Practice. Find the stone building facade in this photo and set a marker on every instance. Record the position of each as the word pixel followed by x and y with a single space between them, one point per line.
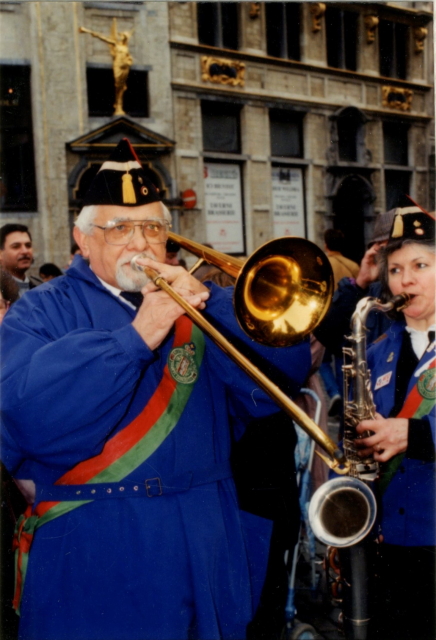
pixel 269 118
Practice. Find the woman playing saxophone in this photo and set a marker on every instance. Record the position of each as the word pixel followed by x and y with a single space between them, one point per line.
pixel 403 380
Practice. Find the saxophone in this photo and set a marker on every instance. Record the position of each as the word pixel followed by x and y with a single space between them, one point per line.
pixel 343 510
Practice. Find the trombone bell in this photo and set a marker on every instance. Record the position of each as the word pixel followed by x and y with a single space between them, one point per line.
pixel 283 291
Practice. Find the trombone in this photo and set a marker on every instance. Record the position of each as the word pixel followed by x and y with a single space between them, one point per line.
pixel 282 292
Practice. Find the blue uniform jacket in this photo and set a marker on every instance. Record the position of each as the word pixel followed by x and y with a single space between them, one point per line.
pixel 408 504
pixel 186 565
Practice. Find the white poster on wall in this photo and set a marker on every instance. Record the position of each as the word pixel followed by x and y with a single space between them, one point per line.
pixel 223 207
pixel 288 202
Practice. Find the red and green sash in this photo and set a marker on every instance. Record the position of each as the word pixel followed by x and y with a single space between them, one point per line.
pixel 129 448
pixel 418 403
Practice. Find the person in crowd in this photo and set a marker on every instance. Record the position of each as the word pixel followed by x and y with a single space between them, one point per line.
pixel 334 243
pixel 48 271
pixel 119 410
pixel 331 372
pixel 16 255
pixel 402 440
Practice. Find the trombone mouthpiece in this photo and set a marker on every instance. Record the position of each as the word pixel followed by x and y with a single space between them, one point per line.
pixel 135 266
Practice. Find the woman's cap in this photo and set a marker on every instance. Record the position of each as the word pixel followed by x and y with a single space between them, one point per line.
pixel 412 223
pixel 122 181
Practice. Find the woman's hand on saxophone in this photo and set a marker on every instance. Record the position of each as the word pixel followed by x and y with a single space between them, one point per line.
pixel 389 436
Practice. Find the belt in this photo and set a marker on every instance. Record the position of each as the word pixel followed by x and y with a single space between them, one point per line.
pixel 149 488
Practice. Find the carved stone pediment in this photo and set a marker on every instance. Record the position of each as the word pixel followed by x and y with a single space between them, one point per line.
pixel 103 140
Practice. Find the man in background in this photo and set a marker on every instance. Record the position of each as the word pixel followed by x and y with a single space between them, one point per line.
pixel 343 267
pixel 16 255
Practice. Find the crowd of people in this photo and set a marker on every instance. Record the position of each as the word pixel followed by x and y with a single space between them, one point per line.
pixel 158 491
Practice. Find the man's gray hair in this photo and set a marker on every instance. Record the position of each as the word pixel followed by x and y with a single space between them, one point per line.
pixel 86 217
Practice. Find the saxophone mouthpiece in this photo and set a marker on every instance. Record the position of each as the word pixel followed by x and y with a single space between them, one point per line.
pixel 401 301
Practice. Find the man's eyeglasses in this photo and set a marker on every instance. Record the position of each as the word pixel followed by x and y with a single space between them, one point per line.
pixel 120 232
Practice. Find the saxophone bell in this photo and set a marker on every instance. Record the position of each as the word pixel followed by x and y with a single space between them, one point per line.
pixel 342 512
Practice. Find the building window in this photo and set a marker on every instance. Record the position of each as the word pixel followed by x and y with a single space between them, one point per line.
pixel 393 49
pixel 286 131
pixel 101 92
pixel 218 24
pixel 283 29
pixel 397 186
pixel 350 135
pixel 221 128
pixel 17 163
pixel 341 35
pixel 395 143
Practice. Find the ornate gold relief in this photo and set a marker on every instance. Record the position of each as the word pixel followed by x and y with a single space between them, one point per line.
pixel 371 24
pixel 222 71
pixel 254 10
pixel 420 34
pixel 396 98
pixel 317 9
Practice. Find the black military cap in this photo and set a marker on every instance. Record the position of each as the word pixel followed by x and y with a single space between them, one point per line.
pixel 121 181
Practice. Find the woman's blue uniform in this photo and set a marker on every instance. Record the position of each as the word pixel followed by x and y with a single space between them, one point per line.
pixel 405 593
pixel 408 509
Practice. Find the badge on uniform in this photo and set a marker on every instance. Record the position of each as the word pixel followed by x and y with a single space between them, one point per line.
pixel 390 356
pixel 427 384
pixel 383 380
pixel 182 365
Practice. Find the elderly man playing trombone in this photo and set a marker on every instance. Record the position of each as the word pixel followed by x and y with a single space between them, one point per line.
pixel 118 422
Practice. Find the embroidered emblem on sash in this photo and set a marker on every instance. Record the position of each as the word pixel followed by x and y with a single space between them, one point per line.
pixel 427 384
pixel 390 356
pixel 182 365
pixel 383 380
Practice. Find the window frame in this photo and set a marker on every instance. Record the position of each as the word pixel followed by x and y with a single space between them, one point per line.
pixel 275 116
pixel 222 108
pixel 217 16
pixel 27 200
pixel 284 31
pixel 341 38
pixel 400 34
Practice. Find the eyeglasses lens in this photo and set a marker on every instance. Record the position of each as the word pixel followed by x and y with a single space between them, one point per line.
pixel 123 232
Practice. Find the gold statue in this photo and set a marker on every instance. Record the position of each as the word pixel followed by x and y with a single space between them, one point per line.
pixel 122 60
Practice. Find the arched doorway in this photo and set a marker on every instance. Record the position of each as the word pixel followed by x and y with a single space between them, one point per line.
pixel 352 214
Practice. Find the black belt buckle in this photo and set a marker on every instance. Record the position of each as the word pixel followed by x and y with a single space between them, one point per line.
pixel 153 487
